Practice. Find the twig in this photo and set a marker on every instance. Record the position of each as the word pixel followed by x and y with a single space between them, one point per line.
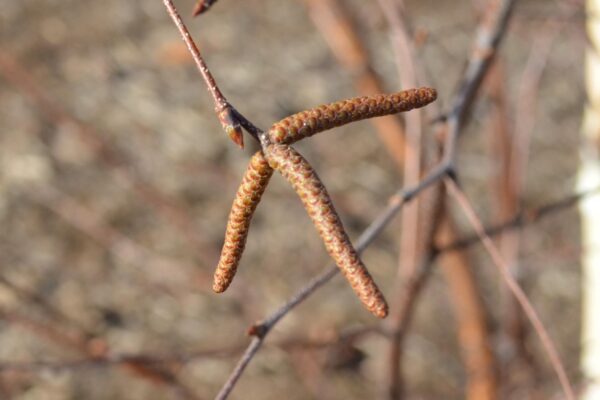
pixel 171 209
pixel 488 38
pixel 507 186
pixel 523 218
pixel 261 329
pixel 472 318
pixel 231 119
pixel 410 245
pixel 123 247
pixel 178 359
pixel 340 33
pixel 95 348
pixel 490 32
pixel 521 297
pixel 418 226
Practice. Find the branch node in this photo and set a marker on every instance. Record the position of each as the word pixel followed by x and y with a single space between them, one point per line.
pixel 231 125
pixel 258 330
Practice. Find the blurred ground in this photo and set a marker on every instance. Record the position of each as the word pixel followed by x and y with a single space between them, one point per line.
pixel 121 265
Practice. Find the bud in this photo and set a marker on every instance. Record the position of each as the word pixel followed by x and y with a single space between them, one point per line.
pixel 231 126
pixel 202 6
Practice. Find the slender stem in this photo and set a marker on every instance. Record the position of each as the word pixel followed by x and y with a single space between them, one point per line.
pixel 211 84
pixel 525 217
pixel 240 367
pixel 488 39
pixel 262 329
pixel 230 118
pixel 514 287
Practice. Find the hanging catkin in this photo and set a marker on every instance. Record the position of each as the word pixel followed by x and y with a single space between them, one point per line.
pixel 298 172
pixel 328 116
pixel 246 199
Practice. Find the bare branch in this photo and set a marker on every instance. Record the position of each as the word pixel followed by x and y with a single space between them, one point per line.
pixel 227 114
pixel 514 287
pixel 489 36
pixel 523 218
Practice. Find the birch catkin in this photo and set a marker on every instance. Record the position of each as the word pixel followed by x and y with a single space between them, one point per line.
pixel 246 199
pixel 309 122
pixel 298 172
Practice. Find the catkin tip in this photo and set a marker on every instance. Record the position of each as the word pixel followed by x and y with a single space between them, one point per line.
pixel 310 122
pixel 431 94
pixel 218 288
pixel 381 310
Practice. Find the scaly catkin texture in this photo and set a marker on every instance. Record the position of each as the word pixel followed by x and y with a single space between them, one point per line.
pixel 309 122
pixel 298 172
pixel 246 199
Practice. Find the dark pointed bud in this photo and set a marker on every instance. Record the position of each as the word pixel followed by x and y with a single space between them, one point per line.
pixel 202 6
pixel 232 126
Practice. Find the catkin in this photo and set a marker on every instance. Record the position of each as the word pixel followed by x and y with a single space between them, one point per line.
pixel 246 200
pixel 328 116
pixel 298 172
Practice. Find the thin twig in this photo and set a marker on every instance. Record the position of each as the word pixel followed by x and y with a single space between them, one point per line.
pixel 339 31
pixel 488 38
pixel 261 329
pixel 171 209
pixel 521 219
pixel 179 359
pixel 521 297
pixel 96 348
pixel 227 114
pixel 417 227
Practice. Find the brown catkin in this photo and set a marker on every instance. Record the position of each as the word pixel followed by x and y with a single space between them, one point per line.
pixel 246 200
pixel 298 172
pixel 309 122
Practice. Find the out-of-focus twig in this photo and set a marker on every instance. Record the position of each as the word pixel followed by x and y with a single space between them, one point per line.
pixel 337 28
pixel 409 286
pixel 509 149
pixel 411 247
pixel 506 186
pixel 455 192
pixel 471 315
pixel 420 218
pixel 521 219
pixel 162 272
pixel 488 38
pixel 170 208
pixel 262 329
pixel 96 348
